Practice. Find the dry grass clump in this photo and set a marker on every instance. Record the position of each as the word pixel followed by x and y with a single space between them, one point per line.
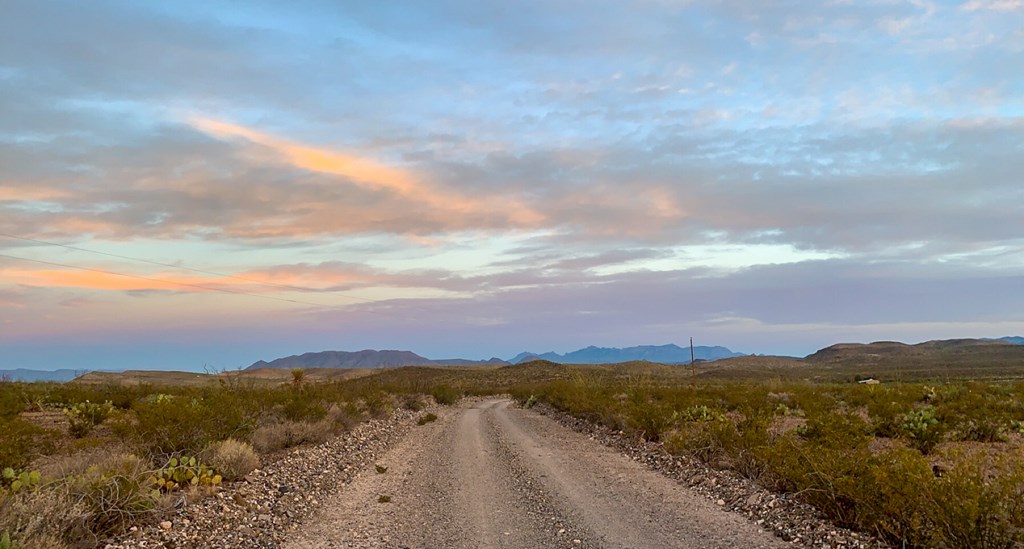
pixel 344 416
pixel 287 434
pixel 45 518
pixel 231 458
pixel 98 497
pixel 115 491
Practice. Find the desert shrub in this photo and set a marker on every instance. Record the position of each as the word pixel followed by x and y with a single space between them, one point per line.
pixel 412 402
pixel 344 416
pixel 701 412
pixel 302 405
pixel 888 494
pixel 231 458
pixel 287 434
pixel 115 491
pixel 378 404
pixel 170 426
pixel 20 441
pixel 823 475
pixel 11 401
pixel 44 519
pixel 731 444
pixel 83 416
pixel 445 395
pixel 835 429
pixel 979 502
pixel 981 430
pixel 922 428
pixel 645 418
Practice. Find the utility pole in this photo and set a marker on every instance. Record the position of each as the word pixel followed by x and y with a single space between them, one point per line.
pixel 693 368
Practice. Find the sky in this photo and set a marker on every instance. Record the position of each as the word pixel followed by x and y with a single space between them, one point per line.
pixel 195 185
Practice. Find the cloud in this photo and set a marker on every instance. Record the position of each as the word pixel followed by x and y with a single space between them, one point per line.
pixel 51 278
pixel 12 299
pixel 993 5
pixel 376 176
pixel 540 164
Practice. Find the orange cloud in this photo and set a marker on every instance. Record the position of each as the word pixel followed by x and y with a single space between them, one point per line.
pixel 18 194
pixel 361 171
pixel 369 173
pixel 88 280
pixel 261 282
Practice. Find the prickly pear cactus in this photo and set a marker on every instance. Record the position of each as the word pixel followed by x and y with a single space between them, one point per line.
pixel 183 472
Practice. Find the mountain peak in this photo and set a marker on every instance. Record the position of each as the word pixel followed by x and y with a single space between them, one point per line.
pixel 669 353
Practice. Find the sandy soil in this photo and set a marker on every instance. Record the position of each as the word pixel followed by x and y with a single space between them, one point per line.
pixel 493 475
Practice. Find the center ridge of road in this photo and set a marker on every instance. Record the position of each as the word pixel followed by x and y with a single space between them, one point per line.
pixel 492 475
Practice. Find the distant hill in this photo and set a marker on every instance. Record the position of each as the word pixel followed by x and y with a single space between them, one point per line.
pixel 884 360
pixel 23 374
pixel 368 358
pixel 1014 340
pixel 949 349
pixel 268 376
pixel 665 354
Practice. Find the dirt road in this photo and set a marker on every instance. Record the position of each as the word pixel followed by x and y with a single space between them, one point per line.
pixel 494 475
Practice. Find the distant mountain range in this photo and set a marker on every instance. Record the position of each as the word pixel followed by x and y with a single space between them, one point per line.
pixel 1016 340
pixel 668 354
pixel 364 359
pixel 22 374
pixel 665 354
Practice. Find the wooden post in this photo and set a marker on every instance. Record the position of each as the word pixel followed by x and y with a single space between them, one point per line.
pixel 693 368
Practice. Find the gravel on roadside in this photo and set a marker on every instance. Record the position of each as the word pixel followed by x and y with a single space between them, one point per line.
pixel 262 509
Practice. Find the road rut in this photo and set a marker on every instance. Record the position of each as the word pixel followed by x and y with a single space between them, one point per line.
pixel 492 475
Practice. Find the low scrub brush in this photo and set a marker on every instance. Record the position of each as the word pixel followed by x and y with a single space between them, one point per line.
pixel 231 458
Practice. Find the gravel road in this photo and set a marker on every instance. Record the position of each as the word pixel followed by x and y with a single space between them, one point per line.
pixel 493 475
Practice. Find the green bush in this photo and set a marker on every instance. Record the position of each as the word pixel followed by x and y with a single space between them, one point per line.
pixel 12 402
pixel 445 395
pixel 20 441
pixel 166 427
pixel 922 428
pixel 302 405
pixel 83 416
pixel 981 430
pixel 979 502
pixel 378 404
